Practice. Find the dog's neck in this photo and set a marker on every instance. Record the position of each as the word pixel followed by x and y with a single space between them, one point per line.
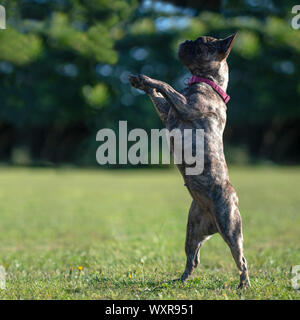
pixel 216 87
pixel 220 77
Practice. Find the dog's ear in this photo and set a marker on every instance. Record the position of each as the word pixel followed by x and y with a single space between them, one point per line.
pixel 225 45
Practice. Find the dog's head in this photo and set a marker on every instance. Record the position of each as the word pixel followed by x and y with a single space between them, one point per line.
pixel 206 56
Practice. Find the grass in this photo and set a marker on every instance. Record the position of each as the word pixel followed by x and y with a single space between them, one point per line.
pixel 126 229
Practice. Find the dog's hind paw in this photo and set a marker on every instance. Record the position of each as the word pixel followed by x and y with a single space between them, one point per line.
pixel 244 284
pixel 184 277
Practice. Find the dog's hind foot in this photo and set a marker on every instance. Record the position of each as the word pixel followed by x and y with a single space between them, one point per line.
pixel 185 276
pixel 244 284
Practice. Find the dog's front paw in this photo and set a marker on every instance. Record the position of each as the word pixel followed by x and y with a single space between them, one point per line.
pixel 139 81
pixel 135 81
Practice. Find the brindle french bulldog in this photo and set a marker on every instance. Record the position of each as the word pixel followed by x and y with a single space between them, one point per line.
pixel 215 203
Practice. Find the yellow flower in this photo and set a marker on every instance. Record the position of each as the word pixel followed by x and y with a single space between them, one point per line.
pixel 102 273
pixel 129 276
pixel 80 268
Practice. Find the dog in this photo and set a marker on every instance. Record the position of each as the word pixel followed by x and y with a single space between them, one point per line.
pixel 202 105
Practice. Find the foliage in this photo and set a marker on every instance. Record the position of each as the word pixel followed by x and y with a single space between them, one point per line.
pixel 64 67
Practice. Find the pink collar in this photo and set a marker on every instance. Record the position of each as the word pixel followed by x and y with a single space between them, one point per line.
pixel 221 92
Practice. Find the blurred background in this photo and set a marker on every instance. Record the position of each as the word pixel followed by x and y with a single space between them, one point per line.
pixel 64 67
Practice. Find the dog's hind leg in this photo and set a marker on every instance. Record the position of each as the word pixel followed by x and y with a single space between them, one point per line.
pixel 229 224
pixel 199 229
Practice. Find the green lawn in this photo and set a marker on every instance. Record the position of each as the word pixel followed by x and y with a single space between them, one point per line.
pixel 127 230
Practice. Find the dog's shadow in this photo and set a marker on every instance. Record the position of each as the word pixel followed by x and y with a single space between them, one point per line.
pixel 157 284
pixel 148 285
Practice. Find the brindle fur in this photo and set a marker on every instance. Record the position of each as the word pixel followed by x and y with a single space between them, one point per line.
pixel 215 203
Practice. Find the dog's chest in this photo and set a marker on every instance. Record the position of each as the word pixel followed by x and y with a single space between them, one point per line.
pixel 208 113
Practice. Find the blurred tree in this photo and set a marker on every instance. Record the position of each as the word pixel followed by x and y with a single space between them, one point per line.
pixel 200 5
pixel 64 69
pixel 50 84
